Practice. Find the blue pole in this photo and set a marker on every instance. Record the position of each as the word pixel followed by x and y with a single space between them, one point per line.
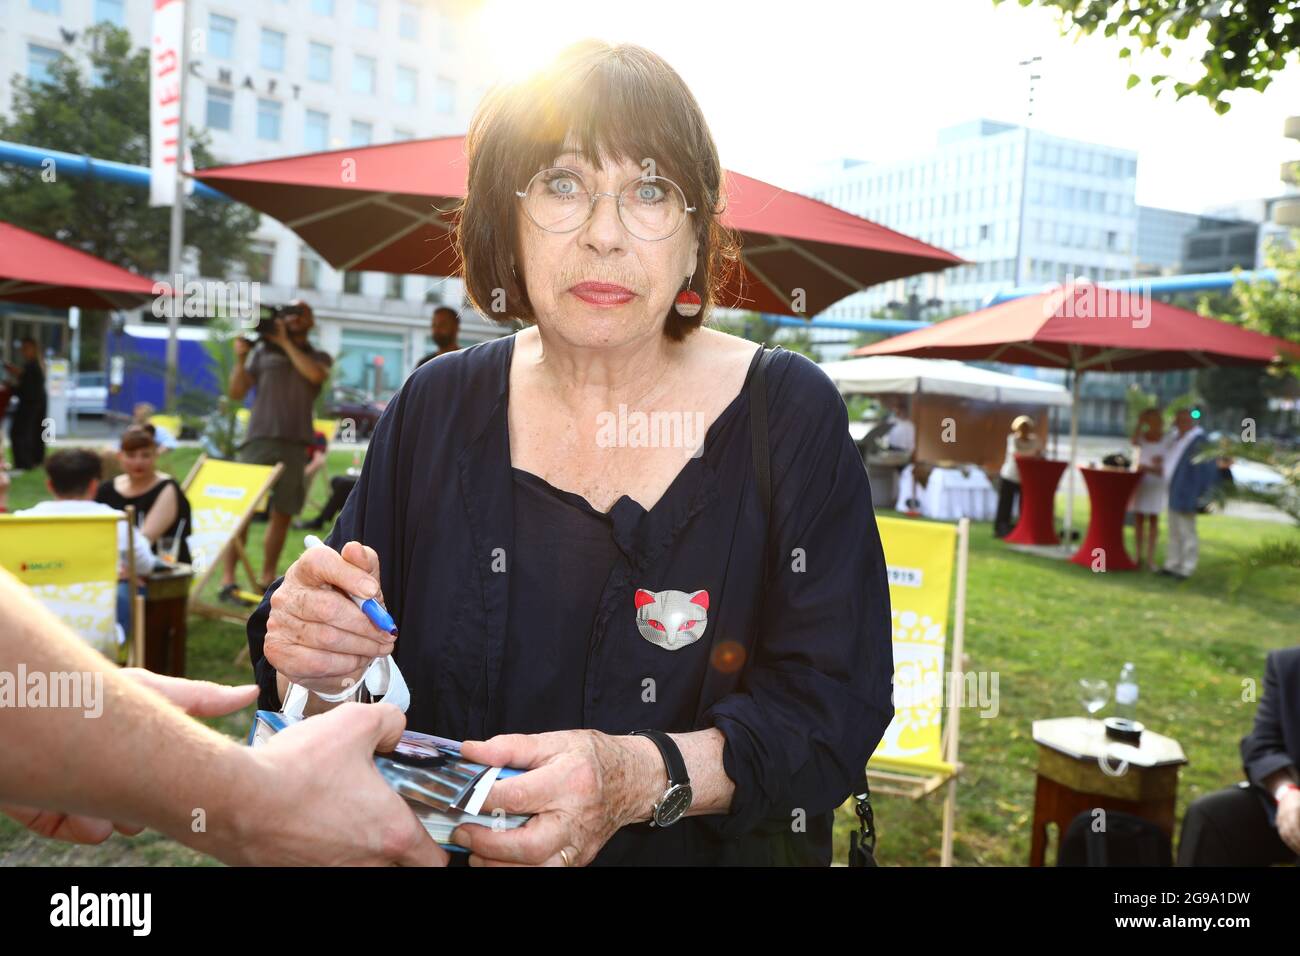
pixel 1156 285
pixel 71 164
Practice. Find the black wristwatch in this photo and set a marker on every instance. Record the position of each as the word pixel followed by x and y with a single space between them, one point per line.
pixel 676 800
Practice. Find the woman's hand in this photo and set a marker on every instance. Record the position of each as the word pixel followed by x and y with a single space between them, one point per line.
pixel 315 635
pixel 582 786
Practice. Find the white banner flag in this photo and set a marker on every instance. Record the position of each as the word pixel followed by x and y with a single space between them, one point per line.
pixel 166 65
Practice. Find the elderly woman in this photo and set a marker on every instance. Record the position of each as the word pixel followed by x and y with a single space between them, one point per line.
pixel 561 585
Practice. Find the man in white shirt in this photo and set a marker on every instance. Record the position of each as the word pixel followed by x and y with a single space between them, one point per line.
pixel 902 433
pixel 72 476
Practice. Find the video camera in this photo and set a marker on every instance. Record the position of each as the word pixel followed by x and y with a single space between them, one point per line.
pixel 269 315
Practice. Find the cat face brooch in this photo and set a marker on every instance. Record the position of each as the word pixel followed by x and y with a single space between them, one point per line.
pixel 671 619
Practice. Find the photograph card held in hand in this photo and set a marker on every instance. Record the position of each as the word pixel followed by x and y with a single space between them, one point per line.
pixel 442 788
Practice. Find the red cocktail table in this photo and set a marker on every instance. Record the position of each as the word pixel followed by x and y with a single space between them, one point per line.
pixel 1038 480
pixel 1109 491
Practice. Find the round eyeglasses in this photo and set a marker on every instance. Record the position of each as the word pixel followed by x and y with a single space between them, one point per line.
pixel 650 207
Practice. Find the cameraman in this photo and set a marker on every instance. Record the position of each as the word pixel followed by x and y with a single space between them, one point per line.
pixel 286 375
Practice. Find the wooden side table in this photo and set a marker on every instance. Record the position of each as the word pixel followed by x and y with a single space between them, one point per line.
pixel 166 610
pixel 1071 777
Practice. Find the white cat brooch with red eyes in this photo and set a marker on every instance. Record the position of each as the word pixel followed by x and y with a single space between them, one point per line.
pixel 671 619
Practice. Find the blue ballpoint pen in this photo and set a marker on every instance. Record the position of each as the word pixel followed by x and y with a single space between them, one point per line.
pixel 369 606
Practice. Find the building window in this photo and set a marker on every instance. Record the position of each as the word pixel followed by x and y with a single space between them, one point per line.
pixel 402 134
pixel 110 11
pixel 320 62
pixel 408 21
pixel 322 8
pixel 45 6
pixel 221 107
pixel 352 283
pixel 363 74
pixel 367 14
pixel 221 37
pixel 408 81
pixel 444 95
pixel 316 132
pixel 371 361
pixel 361 134
pixel 272 50
pixel 308 269
pixel 40 63
pixel 268 120
pixel 393 288
pixel 261 257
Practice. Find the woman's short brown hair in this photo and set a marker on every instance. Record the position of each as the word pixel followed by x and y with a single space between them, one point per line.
pixel 138 436
pixel 617 102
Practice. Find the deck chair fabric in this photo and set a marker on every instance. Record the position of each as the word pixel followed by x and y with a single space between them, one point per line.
pixel 919 752
pixel 222 496
pixel 170 422
pixel 70 563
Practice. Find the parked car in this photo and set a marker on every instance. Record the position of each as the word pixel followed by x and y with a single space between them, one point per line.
pixel 347 402
pixel 90 395
pixel 1256 476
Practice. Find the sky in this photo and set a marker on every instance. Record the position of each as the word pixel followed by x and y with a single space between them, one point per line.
pixel 790 88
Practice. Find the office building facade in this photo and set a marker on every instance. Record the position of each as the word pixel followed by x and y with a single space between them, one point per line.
pixel 286 77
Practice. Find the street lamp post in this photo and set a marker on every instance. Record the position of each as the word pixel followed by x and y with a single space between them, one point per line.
pixel 1024 169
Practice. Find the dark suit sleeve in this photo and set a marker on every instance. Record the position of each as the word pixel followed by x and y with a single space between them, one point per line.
pixel 816 698
pixel 1263 750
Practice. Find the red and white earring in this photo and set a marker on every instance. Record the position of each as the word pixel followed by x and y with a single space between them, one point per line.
pixel 688 300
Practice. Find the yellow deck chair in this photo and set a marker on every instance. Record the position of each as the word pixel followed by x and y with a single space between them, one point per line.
pixel 222 496
pixel 328 426
pixel 170 422
pixel 70 562
pixel 918 754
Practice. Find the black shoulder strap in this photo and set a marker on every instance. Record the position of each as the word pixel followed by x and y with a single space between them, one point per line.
pixel 862 842
pixel 758 428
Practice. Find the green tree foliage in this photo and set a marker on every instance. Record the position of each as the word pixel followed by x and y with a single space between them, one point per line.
pixel 1247 42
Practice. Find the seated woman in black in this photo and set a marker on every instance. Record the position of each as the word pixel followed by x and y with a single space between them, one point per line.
pixel 161 507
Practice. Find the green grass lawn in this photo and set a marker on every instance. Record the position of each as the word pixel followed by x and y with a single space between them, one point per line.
pixel 1039 624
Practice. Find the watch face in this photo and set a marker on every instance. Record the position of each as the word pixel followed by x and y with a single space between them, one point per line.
pixel 674 804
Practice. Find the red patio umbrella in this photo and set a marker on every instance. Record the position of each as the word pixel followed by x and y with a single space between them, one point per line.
pixel 1082 327
pixel 40 271
pixel 386 209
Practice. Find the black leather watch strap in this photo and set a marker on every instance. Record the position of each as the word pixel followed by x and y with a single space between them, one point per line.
pixel 672 756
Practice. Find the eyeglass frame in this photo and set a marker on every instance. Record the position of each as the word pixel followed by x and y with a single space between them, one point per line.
pixel 618 203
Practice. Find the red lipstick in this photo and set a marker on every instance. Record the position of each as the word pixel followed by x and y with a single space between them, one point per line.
pixel 602 293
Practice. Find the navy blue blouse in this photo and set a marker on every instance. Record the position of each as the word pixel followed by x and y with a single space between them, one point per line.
pixel 691 615
pixel 564 554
